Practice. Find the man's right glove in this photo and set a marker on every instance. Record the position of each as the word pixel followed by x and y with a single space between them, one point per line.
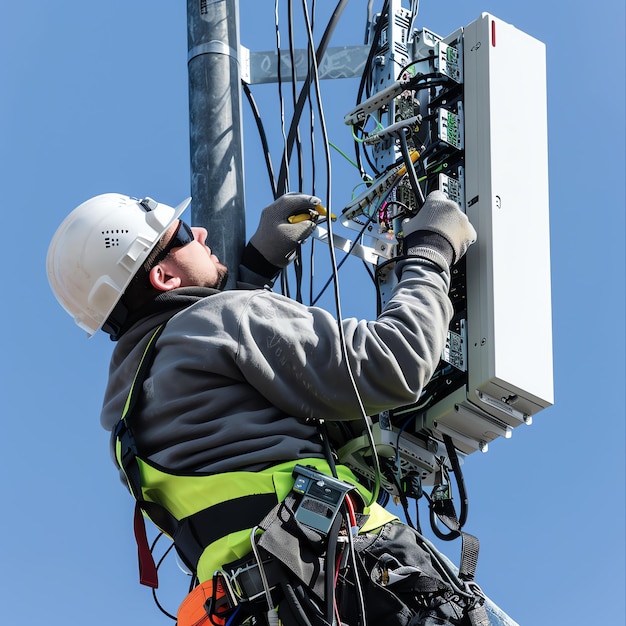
pixel 440 229
pixel 283 226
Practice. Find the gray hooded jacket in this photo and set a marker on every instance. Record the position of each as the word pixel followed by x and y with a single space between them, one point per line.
pixel 237 374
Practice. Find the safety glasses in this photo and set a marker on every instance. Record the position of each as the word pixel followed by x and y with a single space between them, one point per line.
pixel 181 237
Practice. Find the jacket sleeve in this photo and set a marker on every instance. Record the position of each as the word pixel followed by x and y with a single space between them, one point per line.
pixel 293 354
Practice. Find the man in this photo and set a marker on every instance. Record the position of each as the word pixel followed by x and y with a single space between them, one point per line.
pixel 234 390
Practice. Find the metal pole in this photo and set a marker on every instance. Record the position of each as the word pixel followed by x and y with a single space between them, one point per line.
pixel 216 138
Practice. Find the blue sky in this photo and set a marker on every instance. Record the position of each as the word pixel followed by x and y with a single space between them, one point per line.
pixel 93 98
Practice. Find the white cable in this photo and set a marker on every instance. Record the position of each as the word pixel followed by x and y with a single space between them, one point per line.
pixel 257 556
pixel 280 92
pixel 365 417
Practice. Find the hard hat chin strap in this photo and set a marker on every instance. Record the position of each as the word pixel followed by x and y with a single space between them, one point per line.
pixel 116 320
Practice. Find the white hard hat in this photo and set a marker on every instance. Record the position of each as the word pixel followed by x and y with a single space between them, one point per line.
pixel 98 249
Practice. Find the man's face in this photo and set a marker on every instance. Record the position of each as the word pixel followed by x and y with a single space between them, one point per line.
pixel 193 265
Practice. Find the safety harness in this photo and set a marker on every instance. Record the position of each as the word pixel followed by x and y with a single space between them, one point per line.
pixel 192 509
pixel 283 538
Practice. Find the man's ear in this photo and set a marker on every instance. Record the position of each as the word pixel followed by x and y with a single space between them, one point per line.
pixel 161 280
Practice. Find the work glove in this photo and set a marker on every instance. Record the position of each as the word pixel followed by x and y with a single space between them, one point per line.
pixel 274 244
pixel 439 229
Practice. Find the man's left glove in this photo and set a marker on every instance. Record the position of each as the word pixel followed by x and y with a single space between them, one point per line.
pixel 274 244
pixel 439 231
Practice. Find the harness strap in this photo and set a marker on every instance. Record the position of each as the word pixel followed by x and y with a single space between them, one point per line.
pixel 128 461
pixel 127 458
pixel 470 544
pixel 196 532
pixel 469 556
pixel 141 373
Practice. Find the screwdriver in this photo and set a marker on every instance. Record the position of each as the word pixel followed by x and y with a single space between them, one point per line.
pixel 311 215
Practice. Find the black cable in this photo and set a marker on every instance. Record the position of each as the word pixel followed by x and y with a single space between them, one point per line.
pixel 361 616
pixel 193 583
pixel 427 150
pixel 405 208
pixel 368 269
pixel 298 266
pixel 284 283
pixel 329 571
pixel 453 534
pixel 379 299
pixel 294 98
pixel 373 49
pixel 310 60
pixel 345 258
pixel 368 20
pixel 437 78
pixel 297 263
pixel 331 249
pixel 298 271
pixel 415 186
pixel 365 77
pixel 295 603
pixel 262 136
pixel 154 594
pixel 460 481
pixel 328 452
pixel 279 82
pixel 462 517
pixel 395 259
pixel 416 87
pixel 402 497
pixel 418 524
pixel 312 276
pixel 319 55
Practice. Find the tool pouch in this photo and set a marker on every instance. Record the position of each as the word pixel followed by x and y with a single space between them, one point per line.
pixel 405 583
pixel 299 548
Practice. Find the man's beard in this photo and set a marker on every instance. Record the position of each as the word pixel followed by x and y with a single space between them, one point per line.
pixel 222 277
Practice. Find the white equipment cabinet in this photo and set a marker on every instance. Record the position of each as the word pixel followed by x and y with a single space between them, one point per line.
pixel 509 320
pixel 495 132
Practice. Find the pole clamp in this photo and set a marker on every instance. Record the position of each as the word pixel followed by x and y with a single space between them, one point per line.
pixel 212 47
